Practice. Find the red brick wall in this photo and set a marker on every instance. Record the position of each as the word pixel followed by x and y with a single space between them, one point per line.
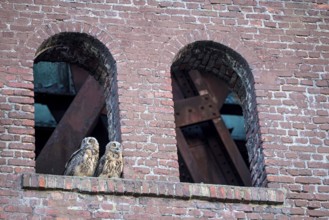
pixel 286 45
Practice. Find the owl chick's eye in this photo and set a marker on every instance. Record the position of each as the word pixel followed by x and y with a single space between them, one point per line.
pixel 92 141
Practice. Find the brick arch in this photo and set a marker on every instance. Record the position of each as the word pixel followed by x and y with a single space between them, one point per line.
pixel 175 44
pixel 181 49
pixel 91 54
pixel 44 32
pixel 110 51
pixel 81 49
pixel 200 53
pixel 78 46
pixel 38 47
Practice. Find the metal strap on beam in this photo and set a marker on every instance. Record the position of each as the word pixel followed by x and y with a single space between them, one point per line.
pixel 195 110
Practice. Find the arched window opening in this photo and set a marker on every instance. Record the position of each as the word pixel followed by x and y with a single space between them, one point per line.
pixel 75 97
pixel 56 87
pixel 210 110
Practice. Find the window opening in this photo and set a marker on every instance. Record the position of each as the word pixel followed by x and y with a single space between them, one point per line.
pixel 69 105
pixel 210 130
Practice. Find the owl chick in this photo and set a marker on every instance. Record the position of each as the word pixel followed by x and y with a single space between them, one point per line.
pixel 83 162
pixel 111 164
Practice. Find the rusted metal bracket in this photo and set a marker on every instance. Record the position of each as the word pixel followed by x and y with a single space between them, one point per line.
pixel 195 110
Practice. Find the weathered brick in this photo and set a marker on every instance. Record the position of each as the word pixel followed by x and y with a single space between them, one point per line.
pixel 318 213
pixel 285 45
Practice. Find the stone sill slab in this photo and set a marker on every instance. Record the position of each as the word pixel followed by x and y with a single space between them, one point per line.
pixel 145 188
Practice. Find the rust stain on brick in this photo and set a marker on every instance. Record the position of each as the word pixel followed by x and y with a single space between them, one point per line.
pixel 42 182
pixel 222 193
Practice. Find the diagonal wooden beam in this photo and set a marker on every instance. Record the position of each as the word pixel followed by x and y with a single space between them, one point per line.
pixel 77 122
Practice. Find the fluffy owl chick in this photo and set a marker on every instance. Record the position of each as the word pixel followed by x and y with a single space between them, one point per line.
pixel 83 162
pixel 111 164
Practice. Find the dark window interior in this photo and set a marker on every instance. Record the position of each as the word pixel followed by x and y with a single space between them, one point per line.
pixel 210 131
pixel 56 85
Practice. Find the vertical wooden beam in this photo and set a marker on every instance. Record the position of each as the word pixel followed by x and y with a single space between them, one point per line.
pixel 77 122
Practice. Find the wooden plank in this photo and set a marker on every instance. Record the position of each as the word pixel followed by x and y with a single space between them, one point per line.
pixel 194 110
pixel 77 122
pixel 188 158
pixel 233 151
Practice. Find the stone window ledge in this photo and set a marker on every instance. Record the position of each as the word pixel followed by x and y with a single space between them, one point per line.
pixel 143 188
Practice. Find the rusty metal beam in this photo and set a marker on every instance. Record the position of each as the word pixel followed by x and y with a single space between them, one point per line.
pixel 183 82
pixel 79 76
pixel 207 165
pixel 194 110
pixel 77 122
pixel 233 151
pixel 197 139
pixel 209 84
pixel 222 160
pixel 188 157
pixel 198 81
pixel 177 93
